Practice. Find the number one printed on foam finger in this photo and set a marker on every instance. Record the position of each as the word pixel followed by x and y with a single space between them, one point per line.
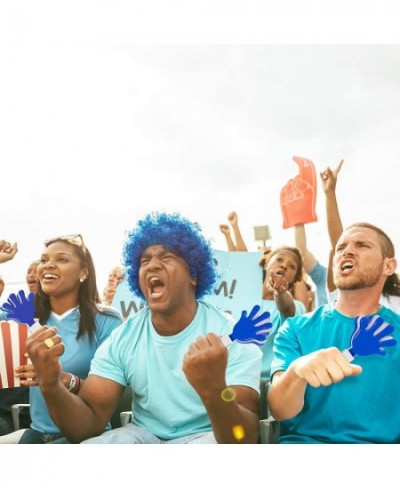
pixel 371 335
pixel 21 308
pixel 250 329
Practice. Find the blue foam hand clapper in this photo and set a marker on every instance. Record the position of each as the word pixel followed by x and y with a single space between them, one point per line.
pixel 21 308
pixel 250 329
pixel 371 335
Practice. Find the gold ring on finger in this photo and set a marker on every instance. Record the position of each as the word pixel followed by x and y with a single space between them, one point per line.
pixel 49 342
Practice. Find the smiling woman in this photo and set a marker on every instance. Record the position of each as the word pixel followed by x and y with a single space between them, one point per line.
pixel 68 303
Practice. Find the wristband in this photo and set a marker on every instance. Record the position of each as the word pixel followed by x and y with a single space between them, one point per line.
pixel 73 383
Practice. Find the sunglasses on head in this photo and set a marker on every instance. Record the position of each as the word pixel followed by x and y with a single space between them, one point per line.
pixel 75 239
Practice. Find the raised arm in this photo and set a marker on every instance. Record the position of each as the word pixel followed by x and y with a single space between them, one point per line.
pixel 233 220
pixel 7 251
pixel 329 273
pixel 309 260
pixel 329 180
pixel 227 233
pixel 283 298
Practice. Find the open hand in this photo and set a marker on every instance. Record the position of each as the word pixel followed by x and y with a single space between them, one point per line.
pixel 20 308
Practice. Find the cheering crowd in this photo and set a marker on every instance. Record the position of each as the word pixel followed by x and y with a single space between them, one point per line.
pixel 324 339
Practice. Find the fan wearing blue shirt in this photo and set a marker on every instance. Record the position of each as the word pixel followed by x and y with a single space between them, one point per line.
pixel 318 393
pixel 66 300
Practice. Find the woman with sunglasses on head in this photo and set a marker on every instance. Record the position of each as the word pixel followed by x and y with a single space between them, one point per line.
pixel 67 299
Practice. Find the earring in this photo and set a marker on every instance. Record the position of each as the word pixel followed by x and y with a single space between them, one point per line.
pixel 82 279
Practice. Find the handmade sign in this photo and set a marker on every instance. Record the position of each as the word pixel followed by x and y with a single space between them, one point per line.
pixel 240 282
pixel 298 197
pixel 250 329
pixel 371 335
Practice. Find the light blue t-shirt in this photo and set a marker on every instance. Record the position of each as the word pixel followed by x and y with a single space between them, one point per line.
pixel 165 403
pixel 358 409
pixel 76 358
pixel 318 276
pixel 277 319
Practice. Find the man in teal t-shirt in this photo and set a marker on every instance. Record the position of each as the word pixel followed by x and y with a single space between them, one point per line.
pixel 334 376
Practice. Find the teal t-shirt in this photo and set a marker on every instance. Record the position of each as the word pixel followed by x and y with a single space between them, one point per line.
pixel 358 409
pixel 165 403
pixel 76 358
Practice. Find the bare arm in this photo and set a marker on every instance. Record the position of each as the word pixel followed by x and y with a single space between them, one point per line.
pixel 320 368
pixel 329 274
pixel 233 410
pixel 227 233
pixel 309 260
pixel 329 180
pixel 78 416
pixel 283 298
pixel 233 220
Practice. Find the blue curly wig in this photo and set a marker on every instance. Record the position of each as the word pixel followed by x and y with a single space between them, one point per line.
pixel 177 234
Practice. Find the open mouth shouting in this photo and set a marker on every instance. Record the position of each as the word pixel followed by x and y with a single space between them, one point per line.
pixel 156 287
pixel 346 267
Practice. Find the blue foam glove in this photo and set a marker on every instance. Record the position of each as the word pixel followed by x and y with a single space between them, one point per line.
pixel 371 335
pixel 20 308
pixel 251 329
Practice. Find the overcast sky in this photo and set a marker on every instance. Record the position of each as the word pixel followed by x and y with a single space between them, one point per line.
pixel 95 135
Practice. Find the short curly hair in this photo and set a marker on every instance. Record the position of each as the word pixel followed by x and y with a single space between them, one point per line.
pixel 177 234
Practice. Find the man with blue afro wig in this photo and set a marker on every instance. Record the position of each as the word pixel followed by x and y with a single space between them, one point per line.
pixel 177 234
pixel 188 387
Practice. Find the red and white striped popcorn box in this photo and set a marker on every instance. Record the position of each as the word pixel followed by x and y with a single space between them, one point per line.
pixel 12 351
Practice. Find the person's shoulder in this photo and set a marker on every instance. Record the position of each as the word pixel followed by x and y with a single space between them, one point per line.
pixel 218 315
pixel 137 319
pixel 209 307
pixel 111 311
pixel 315 316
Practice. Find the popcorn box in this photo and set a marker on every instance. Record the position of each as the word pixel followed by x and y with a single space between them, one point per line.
pixel 12 349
